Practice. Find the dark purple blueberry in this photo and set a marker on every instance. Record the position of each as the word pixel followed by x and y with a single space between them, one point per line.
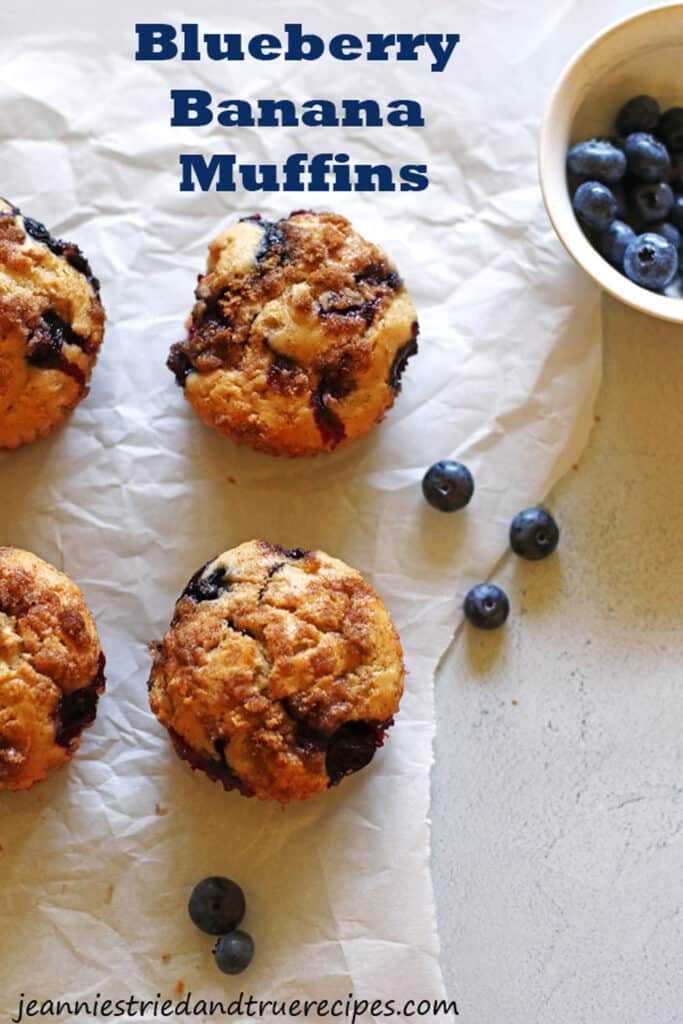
pixel 75 258
pixel 334 383
pixel 179 364
pixel 216 905
pixel 403 354
pixel 78 709
pixel 597 160
pixel 640 114
pixel 652 201
pixel 379 275
pixel 448 485
pixel 71 253
pixel 651 261
pixel 670 232
pixel 594 204
pixel 487 606
pixel 44 348
pixel 58 332
pixel 350 748
pixel 296 554
pixel 676 215
pixel 676 173
pixel 284 374
pixel 207 588
pixel 215 768
pixel 613 242
pixel 534 534
pixel 365 310
pixel 648 159
pixel 234 952
pixel 37 231
pixel 273 242
pixel 670 129
pixel 306 736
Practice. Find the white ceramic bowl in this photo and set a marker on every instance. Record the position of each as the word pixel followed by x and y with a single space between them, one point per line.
pixel 643 54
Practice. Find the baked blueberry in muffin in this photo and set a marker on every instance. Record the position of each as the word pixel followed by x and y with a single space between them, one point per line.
pixel 51 328
pixel 280 673
pixel 51 668
pixel 299 335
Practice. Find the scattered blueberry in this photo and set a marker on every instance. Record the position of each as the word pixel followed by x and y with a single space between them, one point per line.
pixel 216 905
pixel 487 606
pixel 640 114
pixel 647 158
pixel 594 204
pixel 677 212
pixel 670 129
pixel 668 231
pixel 597 160
pixel 652 202
pixel 614 240
pixel 234 952
pixel 448 485
pixel 534 534
pixel 651 261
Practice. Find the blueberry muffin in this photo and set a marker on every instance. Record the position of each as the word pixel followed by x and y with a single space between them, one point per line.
pixel 299 335
pixel 51 668
pixel 51 328
pixel 280 673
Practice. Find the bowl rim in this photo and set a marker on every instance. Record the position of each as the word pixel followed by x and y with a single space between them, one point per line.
pixel 567 228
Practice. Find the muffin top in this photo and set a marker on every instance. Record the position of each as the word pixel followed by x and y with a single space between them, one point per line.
pixel 51 668
pixel 280 671
pixel 51 328
pixel 299 335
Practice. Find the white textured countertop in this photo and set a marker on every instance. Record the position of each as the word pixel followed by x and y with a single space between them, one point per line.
pixel 557 789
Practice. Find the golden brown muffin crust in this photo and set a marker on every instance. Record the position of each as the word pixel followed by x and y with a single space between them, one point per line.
pixel 269 654
pixel 51 668
pixel 299 335
pixel 51 328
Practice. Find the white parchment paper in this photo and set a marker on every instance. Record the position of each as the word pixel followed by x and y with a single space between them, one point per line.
pixel 134 493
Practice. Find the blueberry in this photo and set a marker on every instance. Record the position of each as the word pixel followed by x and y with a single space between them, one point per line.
pixel 640 114
pixel 670 129
pixel 179 364
pixel 651 261
pixel 614 240
pixel 209 587
pixel 448 485
pixel 487 606
pixel 594 204
pixel 216 905
pixel 652 202
pixel 671 233
pixel 234 952
pixel 597 160
pixel 351 748
pixel 400 361
pixel 534 534
pixel 647 158
pixel 676 215
pixel 676 173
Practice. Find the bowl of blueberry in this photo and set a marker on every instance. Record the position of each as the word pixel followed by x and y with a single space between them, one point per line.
pixel 611 161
